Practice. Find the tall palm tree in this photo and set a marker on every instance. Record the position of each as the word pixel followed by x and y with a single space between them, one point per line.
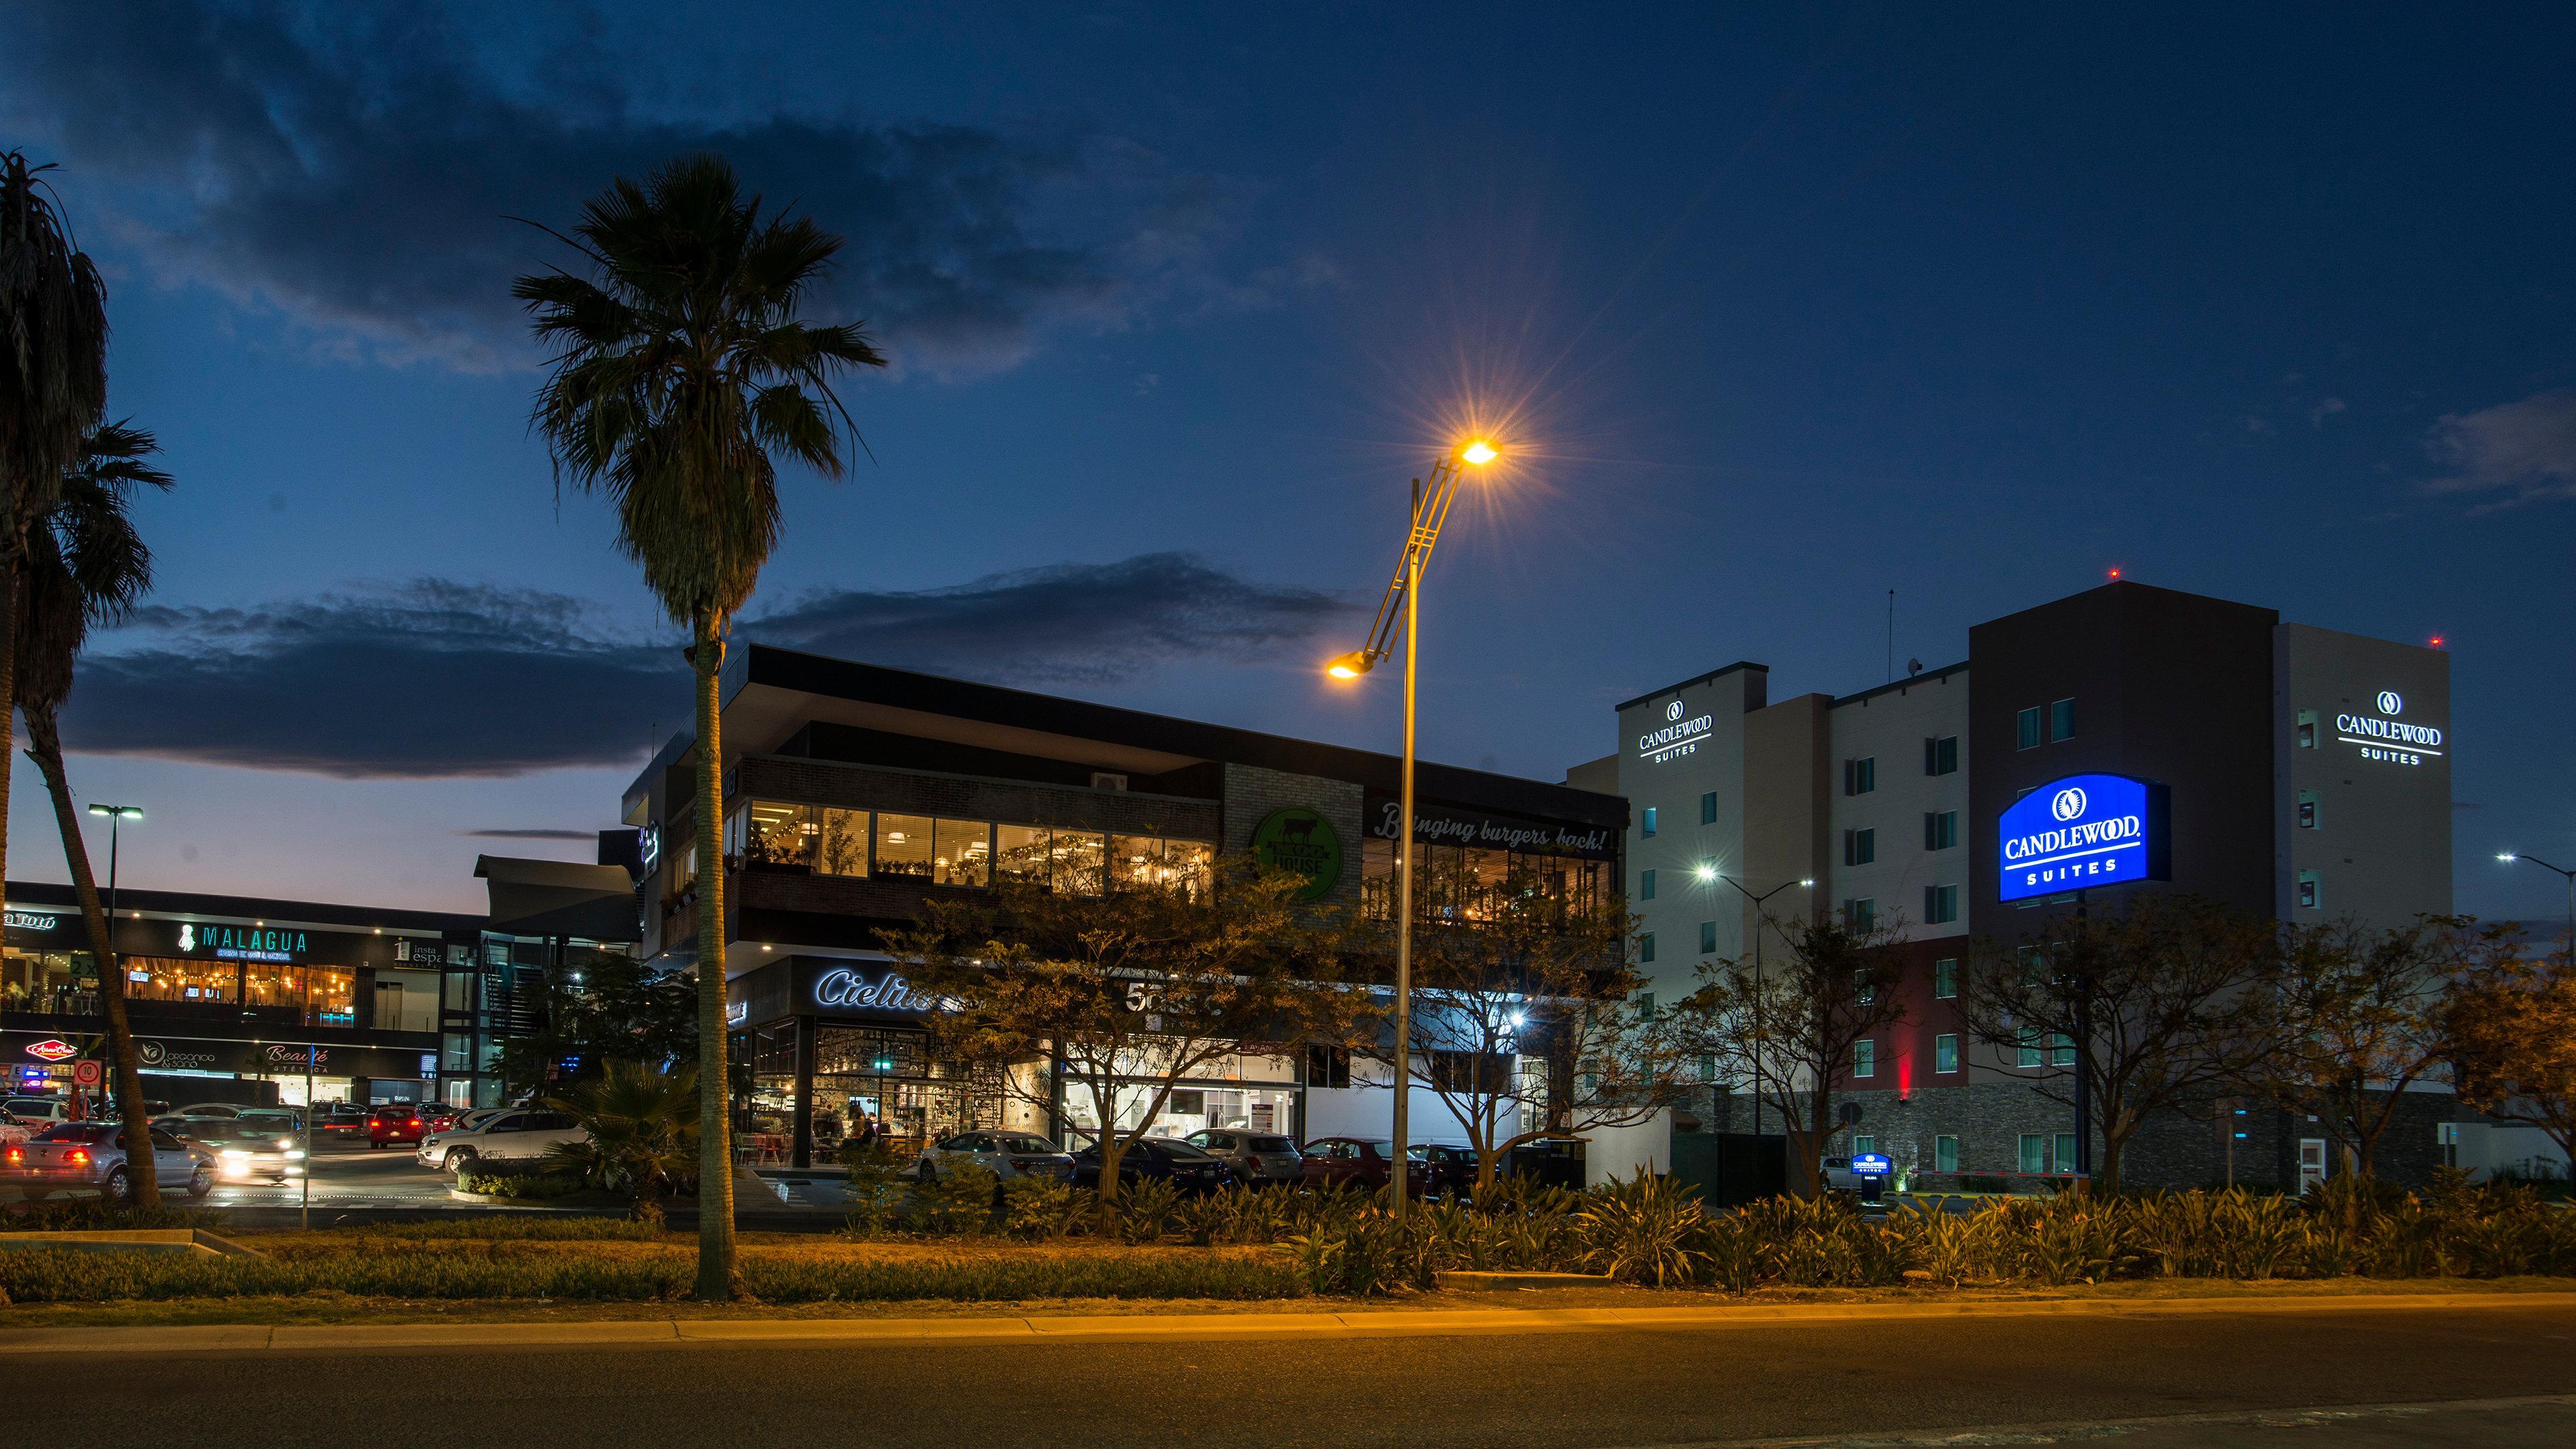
pixel 85 565
pixel 682 373
pixel 53 384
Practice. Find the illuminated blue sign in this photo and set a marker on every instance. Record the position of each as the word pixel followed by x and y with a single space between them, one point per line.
pixel 1871 1164
pixel 2084 830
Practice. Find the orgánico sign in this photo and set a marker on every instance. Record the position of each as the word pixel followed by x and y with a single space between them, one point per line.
pixel 1301 842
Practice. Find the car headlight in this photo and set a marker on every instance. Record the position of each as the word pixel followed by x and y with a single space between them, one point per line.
pixel 235 1154
pixel 295 1154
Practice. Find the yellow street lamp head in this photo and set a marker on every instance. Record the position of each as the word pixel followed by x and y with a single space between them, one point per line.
pixel 1349 666
pixel 1479 451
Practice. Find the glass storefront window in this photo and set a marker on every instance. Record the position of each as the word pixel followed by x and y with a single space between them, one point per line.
pixel 1135 861
pixel 963 854
pixel 1075 860
pixel 1020 852
pixel 156 978
pixel 904 845
pixel 48 982
pixel 1187 863
pixel 776 834
pixel 844 848
pixel 332 996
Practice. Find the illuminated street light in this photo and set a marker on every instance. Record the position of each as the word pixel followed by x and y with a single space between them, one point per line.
pixel 2509 857
pixel 1710 873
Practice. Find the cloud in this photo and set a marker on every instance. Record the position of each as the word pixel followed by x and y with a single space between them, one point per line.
pixel 2526 449
pixel 352 169
pixel 445 680
pixel 2317 415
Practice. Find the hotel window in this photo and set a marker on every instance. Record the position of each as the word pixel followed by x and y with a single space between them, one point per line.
pixel 2034 1153
pixel 1708 808
pixel 2061 720
pixel 1020 852
pixel 904 845
pixel 1646 948
pixel 1708 1069
pixel 1074 862
pixel 2307 809
pixel 2308 896
pixel 841 842
pixel 1940 905
pixel 2307 729
pixel 1650 822
pixel 1860 847
pixel 1860 776
pixel 2065 1152
pixel 1945 1053
pixel 1945 978
pixel 1940 829
pixel 2026 1052
pixel 1863 1143
pixel 1945 1153
pixel 962 853
pixel 1708 938
pixel 2061 1050
pixel 1645 885
pixel 1864 1059
pixel 1861 913
pixel 1941 755
pixel 2026 729
pixel 1864 986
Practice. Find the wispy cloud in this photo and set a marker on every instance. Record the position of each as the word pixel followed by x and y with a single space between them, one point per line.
pixel 2523 450
pixel 445 680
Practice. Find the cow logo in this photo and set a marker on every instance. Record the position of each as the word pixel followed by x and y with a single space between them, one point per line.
pixel 1300 842
pixel 1673 710
pixel 52 1049
pixel 2068 805
pixel 2389 703
pixel 187 936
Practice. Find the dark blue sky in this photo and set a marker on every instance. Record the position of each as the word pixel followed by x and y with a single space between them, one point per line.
pixel 1782 313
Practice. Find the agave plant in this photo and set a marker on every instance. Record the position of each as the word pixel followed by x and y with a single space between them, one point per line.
pixel 641 1131
pixel 1646 1229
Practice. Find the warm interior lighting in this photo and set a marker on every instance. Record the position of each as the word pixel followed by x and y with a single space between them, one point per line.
pixel 1349 666
pixel 1479 452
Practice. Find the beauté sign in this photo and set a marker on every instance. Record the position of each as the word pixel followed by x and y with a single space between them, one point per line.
pixel 2083 830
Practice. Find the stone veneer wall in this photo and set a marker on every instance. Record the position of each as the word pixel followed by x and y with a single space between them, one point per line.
pixel 1252 793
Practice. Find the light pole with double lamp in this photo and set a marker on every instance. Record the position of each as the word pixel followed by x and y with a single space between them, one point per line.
pixel 1430 510
pixel 1711 873
pixel 116 815
pixel 2511 856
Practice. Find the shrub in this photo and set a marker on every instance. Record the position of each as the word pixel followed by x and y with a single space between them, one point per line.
pixel 1042 1207
pixel 958 1202
pixel 878 1187
pixel 1145 1209
pixel 531 1183
pixel 1647 1229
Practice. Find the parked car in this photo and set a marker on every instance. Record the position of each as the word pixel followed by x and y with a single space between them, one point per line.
pixel 211 1109
pixel 345 1119
pixel 395 1122
pixel 1365 1162
pixel 92 1155
pixel 245 1148
pixel 1252 1158
pixel 514 1134
pixel 38 1112
pixel 1188 1168
pixel 1008 1154
pixel 1453 1168
pixel 436 1118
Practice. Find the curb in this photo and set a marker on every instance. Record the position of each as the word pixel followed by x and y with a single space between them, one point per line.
pixel 1110 1328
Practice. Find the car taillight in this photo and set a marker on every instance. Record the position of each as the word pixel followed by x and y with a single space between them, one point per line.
pixel 77 1157
pixel 17 1155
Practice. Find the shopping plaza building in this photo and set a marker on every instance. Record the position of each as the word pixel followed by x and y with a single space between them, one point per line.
pixel 2125 740
pixel 854 794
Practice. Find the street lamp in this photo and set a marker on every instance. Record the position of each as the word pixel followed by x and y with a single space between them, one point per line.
pixel 2510 856
pixel 1710 873
pixel 116 815
pixel 1430 511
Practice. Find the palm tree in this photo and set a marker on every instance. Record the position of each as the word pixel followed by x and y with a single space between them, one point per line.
pixel 85 565
pixel 642 1126
pixel 682 374
pixel 53 385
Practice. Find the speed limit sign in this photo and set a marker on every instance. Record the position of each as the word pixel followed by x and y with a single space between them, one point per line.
pixel 85 1074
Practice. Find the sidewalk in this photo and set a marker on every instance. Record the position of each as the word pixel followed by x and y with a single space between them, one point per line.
pixel 1067 1328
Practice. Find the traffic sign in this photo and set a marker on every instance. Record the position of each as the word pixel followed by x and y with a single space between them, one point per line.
pixel 86 1073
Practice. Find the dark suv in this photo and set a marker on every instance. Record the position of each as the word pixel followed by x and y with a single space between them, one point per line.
pixel 1254 1158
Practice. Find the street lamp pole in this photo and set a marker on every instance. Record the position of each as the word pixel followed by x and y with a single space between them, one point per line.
pixel 1709 872
pixel 116 817
pixel 2510 856
pixel 1430 511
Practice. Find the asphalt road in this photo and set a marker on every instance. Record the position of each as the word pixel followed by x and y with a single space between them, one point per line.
pixel 2175 1383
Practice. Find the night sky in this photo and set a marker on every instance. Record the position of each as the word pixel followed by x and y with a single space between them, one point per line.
pixel 1775 314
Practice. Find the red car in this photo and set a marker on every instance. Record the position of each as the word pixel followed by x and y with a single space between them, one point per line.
pixel 395 1123
pixel 1361 1162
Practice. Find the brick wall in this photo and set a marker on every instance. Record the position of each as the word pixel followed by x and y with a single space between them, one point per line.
pixel 1252 793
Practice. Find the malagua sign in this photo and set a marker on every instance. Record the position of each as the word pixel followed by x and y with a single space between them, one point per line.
pixel 2083 830
pixel 1678 737
pixel 2386 738
pixel 1301 842
pixel 240 943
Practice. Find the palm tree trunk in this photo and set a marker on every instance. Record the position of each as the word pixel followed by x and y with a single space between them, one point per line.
pixel 9 590
pixel 45 747
pixel 719 1280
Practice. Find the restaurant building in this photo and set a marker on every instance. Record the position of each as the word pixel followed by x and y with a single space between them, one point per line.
pixel 854 794
pixel 2125 740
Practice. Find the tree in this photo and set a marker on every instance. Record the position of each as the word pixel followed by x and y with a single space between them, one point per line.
pixel 2511 1021
pixel 1797 1028
pixel 619 1010
pixel 53 387
pixel 682 375
pixel 2152 1008
pixel 1534 974
pixel 2356 1018
pixel 642 1127
pixel 1129 992
pixel 85 564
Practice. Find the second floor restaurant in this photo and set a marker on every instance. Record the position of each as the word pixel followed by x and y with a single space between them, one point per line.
pixel 854 793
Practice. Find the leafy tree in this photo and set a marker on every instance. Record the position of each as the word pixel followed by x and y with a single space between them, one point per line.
pixel 53 388
pixel 86 564
pixel 2157 1006
pixel 2356 1018
pixel 1795 1028
pixel 2511 1021
pixel 642 1123
pixel 1534 975
pixel 1127 993
pixel 620 1010
pixel 683 373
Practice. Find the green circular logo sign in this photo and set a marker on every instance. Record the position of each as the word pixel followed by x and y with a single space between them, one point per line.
pixel 1300 841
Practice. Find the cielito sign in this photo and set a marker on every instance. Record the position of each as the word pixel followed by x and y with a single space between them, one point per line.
pixel 2083 830
pixel 2386 738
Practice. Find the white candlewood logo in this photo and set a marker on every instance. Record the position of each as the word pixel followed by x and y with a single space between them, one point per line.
pixel 2386 738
